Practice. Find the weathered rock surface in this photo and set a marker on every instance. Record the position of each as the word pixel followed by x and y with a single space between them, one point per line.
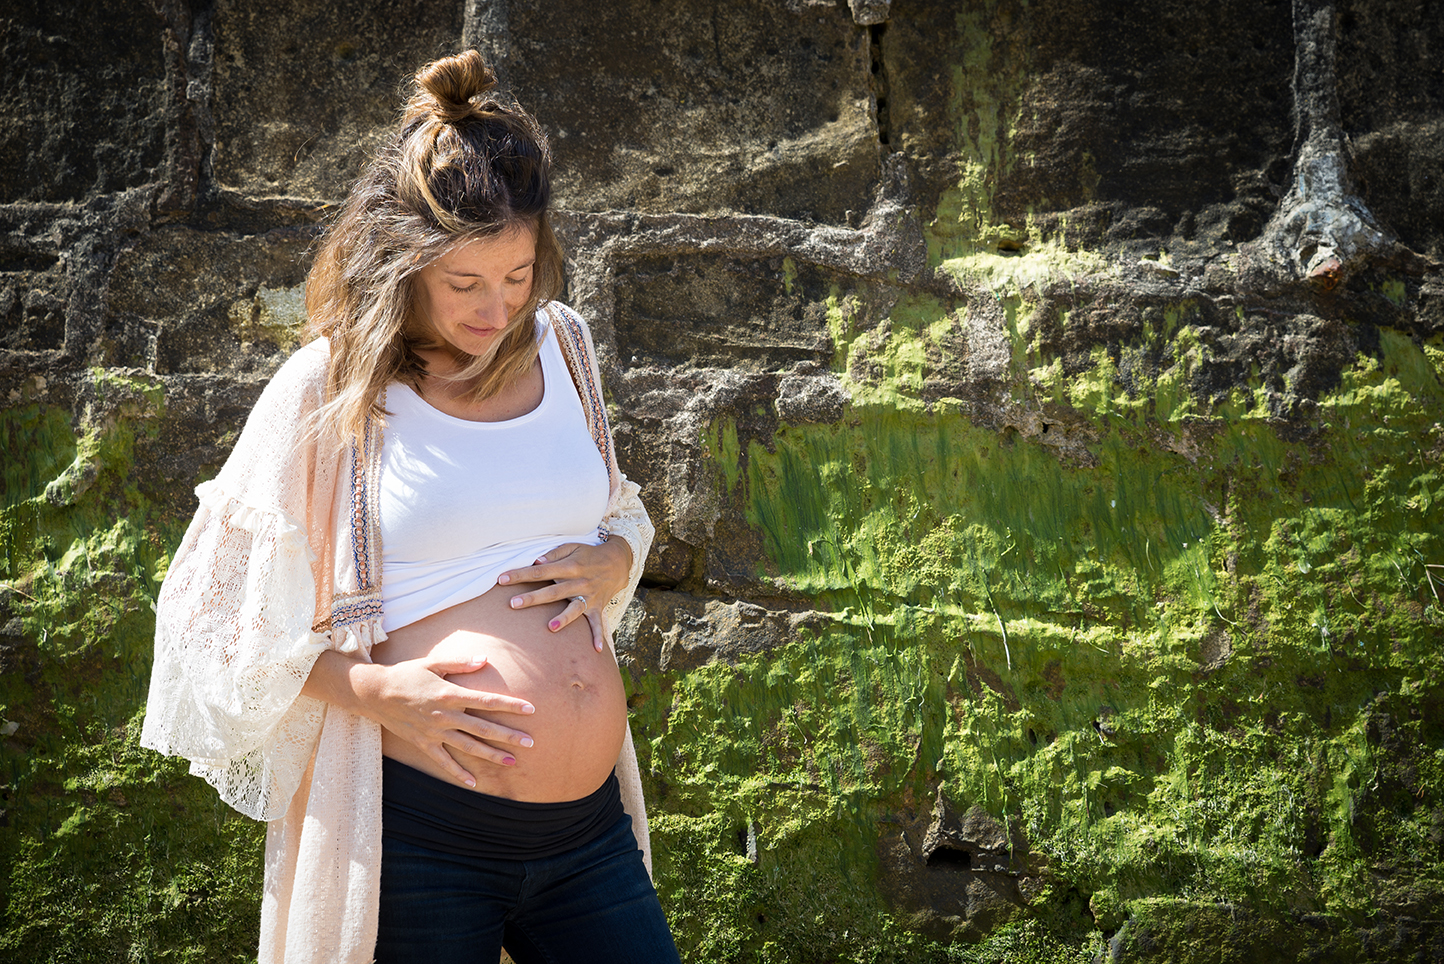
pixel 664 107
pixel 962 876
pixel 1038 403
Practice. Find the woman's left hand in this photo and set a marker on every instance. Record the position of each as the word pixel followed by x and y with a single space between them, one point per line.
pixel 589 576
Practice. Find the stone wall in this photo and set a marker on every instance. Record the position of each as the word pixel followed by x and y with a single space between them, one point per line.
pixel 1038 403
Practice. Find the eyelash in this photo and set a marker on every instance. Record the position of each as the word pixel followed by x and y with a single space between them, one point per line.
pixel 462 291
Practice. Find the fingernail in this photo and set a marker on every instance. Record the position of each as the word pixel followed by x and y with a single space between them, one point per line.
pixel 477 660
pixel 509 761
pixel 528 708
pixel 526 741
pixel 470 782
pixel 515 602
pixel 555 624
pixel 503 579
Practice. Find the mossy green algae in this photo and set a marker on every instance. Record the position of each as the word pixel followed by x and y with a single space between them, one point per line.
pixel 1167 665
pixel 983 99
pixel 110 852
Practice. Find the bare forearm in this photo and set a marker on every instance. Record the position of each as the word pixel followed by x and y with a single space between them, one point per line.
pixel 621 550
pixel 415 701
pixel 342 681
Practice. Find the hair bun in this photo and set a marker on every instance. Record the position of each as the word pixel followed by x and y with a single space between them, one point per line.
pixel 451 83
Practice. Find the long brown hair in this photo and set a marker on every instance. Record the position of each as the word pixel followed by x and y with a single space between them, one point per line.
pixel 460 168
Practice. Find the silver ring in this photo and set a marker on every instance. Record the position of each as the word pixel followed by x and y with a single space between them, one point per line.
pixel 580 599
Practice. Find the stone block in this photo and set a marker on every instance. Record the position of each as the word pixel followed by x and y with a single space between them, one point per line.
pixel 1400 171
pixel 716 311
pixel 1129 105
pixel 674 632
pixel 203 302
pixel 752 107
pixel 84 101
pixel 304 92
pixel 32 300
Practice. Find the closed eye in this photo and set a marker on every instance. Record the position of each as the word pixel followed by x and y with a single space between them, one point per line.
pixel 461 290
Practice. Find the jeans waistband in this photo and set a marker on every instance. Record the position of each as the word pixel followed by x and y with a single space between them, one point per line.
pixel 419 809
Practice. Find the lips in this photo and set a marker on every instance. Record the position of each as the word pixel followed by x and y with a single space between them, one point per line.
pixel 481 332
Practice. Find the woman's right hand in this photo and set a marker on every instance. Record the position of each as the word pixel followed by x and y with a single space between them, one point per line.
pixel 414 700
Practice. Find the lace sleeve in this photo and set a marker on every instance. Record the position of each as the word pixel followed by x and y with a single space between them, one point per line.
pixel 233 646
pixel 627 519
pixel 234 620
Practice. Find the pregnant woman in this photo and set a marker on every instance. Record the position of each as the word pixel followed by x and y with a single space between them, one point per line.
pixel 386 630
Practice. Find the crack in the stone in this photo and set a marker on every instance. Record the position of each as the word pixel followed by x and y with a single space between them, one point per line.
pixel 1322 230
pixel 486 26
pixel 879 84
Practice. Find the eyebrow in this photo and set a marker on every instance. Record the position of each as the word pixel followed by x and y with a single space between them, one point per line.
pixel 472 274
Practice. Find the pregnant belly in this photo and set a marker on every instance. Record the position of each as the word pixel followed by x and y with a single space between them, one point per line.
pixel 581 706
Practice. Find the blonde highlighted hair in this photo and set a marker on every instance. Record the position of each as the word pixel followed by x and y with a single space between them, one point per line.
pixel 461 167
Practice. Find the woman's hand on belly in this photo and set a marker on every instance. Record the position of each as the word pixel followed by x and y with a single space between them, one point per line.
pixel 587 576
pixel 414 701
pixel 580 701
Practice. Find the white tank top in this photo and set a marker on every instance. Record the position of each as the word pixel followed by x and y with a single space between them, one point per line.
pixel 462 502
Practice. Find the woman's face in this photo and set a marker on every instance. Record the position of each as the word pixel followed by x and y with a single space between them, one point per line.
pixel 470 294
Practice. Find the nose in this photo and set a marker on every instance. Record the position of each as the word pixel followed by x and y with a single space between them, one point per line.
pixel 491 312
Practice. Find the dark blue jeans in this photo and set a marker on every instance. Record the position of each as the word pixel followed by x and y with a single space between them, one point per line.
pixel 592 904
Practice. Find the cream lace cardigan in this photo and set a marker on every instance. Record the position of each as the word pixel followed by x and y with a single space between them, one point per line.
pixel 281 562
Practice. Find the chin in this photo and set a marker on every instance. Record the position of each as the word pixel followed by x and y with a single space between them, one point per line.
pixel 470 350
